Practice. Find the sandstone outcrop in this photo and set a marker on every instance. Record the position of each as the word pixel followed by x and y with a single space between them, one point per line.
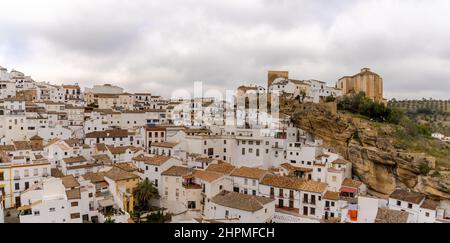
pixel 376 161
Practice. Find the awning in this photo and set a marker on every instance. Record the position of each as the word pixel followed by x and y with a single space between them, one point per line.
pixel 106 203
pixel 349 189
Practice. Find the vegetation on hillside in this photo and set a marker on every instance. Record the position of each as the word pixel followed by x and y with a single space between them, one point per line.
pixel 376 111
pixel 407 134
pixel 432 113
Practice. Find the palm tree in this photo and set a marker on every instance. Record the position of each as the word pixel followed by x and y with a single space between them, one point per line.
pixel 109 220
pixel 144 193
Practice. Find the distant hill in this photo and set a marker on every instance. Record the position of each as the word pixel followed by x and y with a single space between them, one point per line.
pixel 433 113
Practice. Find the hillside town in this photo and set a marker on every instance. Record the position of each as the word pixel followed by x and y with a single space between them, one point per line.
pixel 71 154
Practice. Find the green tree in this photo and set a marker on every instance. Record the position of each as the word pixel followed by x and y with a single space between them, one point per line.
pixel 424 169
pixel 144 193
pixel 158 217
pixel 109 220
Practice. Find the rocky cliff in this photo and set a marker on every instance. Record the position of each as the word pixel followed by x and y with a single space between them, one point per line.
pixel 376 160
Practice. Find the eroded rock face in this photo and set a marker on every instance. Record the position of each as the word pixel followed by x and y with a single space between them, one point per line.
pixel 375 160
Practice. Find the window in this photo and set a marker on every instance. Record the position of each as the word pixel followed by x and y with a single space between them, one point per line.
pixel 156 182
pixel 36 213
pixel 245 181
pixel 177 192
pixel 257 152
pixel 156 169
pixel 90 194
pixel 312 211
pixel 227 214
pixel 224 141
pixel 191 205
pixel 75 215
pixel 254 182
pixel 243 151
pixel 399 203
pixel 74 204
pixel 26 173
pixel 17 186
pixel 254 192
pixel 51 209
pixel 427 214
pixel 410 206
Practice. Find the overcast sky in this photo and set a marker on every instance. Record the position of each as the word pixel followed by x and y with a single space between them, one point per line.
pixel 160 46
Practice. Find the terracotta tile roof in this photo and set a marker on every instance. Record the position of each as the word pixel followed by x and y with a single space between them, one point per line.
pixel 36 137
pixel 208 176
pixel 117 174
pixel 290 167
pixel 155 160
pixel 351 183
pixel 78 159
pixel 430 204
pixel 331 195
pixel 164 145
pixel 313 186
pixel 56 173
pixel 128 166
pixel 73 142
pixel 292 183
pixel 94 177
pixel 117 150
pixel 84 166
pixel 117 133
pixel 22 145
pixel 389 216
pixel 7 148
pixel 102 158
pixel 100 147
pixel 247 172
pixel 73 194
pixel 221 167
pixel 176 171
pixel 241 201
pixel 155 129
pixel 70 182
pixel 403 195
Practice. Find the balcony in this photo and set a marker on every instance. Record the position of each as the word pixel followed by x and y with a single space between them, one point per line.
pixel 192 186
